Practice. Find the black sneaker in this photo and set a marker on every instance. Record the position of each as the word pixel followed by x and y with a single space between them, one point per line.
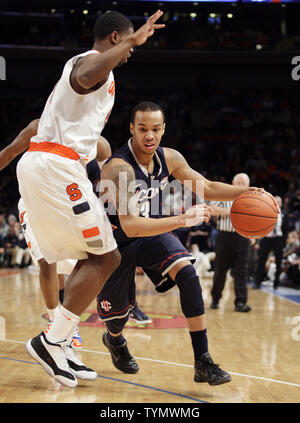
pixel 214 305
pixel 207 371
pixel 244 308
pixel 121 357
pixel 52 358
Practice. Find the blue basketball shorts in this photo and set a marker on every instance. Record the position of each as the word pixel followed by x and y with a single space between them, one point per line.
pixel 156 255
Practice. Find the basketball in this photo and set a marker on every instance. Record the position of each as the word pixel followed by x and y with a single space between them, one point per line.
pixel 254 214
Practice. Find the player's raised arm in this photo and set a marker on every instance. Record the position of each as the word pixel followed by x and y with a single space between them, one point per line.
pixel 210 190
pixel 19 144
pixel 125 199
pixel 93 70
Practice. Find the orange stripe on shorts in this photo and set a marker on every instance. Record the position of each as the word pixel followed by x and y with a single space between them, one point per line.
pixel 89 233
pixel 52 147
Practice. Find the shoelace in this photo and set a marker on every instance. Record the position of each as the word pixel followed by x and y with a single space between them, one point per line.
pixel 214 366
pixel 210 362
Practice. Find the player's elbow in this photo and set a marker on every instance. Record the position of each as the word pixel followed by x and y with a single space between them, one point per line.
pixel 128 226
pixel 129 231
pixel 33 126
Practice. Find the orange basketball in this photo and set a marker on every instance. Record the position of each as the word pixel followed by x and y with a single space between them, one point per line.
pixel 254 214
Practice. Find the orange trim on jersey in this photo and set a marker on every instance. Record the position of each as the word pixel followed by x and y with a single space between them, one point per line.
pixel 94 49
pixel 52 147
pixel 89 233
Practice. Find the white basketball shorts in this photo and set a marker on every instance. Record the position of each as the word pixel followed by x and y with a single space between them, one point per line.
pixel 65 216
pixel 64 267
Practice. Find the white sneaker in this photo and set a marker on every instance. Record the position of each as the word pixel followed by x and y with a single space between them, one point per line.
pixel 77 367
pixel 51 356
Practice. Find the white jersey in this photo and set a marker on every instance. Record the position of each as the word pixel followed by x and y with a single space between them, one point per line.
pixel 76 120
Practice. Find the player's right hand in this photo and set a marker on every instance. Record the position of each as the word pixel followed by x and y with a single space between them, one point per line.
pixel 140 36
pixel 197 215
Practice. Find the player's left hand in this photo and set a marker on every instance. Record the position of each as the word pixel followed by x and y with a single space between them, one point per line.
pixel 261 190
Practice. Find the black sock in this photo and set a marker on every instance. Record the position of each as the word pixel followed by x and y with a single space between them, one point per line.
pixel 116 340
pixel 199 343
pixel 61 295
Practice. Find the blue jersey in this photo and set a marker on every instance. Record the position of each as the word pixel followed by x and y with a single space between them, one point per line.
pixel 148 187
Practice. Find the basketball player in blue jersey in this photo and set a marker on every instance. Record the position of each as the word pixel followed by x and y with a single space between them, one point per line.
pixel 145 169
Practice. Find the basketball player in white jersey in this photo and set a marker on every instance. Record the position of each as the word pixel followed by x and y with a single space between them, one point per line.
pixel 65 216
pixel 51 276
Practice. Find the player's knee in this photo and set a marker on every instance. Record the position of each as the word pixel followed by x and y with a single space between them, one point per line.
pixel 116 325
pixel 106 263
pixel 190 290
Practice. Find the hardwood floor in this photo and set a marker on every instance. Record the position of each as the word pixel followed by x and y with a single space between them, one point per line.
pixel 259 349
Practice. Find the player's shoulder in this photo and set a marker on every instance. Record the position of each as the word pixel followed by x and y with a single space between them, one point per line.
pixel 172 155
pixel 118 163
pixel 87 55
pixel 117 170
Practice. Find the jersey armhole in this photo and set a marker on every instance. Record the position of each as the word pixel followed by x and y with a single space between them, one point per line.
pixel 93 89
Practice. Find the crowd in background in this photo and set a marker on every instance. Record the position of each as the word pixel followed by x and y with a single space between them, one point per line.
pixel 221 129
pixel 14 251
pixel 195 29
pixel 221 132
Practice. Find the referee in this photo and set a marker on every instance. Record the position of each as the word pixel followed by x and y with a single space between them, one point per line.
pixel 232 252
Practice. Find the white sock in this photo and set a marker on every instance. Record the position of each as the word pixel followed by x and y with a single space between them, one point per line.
pixel 63 325
pixel 52 312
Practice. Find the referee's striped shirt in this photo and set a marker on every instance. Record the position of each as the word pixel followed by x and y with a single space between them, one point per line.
pixel 223 222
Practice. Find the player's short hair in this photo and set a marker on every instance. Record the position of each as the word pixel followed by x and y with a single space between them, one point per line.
pixel 109 22
pixel 146 106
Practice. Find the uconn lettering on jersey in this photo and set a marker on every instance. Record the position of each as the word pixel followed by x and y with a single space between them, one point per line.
pixel 144 192
pixel 148 198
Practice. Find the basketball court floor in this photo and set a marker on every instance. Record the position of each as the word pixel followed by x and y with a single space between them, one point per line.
pixel 260 349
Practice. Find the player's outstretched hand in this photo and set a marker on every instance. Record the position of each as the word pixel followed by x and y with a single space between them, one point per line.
pixel 262 191
pixel 256 189
pixel 197 215
pixel 140 36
